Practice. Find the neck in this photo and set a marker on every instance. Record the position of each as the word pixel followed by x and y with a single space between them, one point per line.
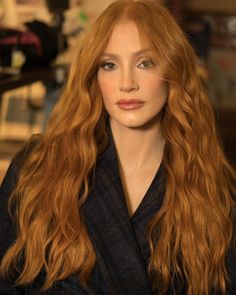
pixel 138 149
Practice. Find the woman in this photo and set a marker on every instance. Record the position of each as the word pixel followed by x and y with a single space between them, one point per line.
pixel 128 190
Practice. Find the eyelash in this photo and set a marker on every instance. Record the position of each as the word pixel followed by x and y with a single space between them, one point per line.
pixel 111 66
pixel 103 65
pixel 148 62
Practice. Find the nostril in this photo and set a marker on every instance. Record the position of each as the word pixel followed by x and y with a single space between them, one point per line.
pixel 129 86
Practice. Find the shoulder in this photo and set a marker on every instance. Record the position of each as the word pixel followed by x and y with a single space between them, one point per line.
pixel 11 177
pixel 9 183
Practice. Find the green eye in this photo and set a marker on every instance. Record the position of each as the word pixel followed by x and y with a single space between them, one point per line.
pixel 146 64
pixel 108 66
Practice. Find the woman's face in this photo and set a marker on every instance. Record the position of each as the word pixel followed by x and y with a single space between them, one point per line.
pixel 133 91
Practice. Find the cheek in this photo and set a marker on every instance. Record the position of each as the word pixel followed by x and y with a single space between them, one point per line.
pixel 157 88
pixel 106 87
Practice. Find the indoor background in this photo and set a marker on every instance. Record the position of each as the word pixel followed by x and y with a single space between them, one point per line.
pixel 38 39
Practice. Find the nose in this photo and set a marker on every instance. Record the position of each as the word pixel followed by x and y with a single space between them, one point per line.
pixel 128 81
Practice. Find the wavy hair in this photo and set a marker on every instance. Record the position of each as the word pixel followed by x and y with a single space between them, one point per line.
pixel 190 235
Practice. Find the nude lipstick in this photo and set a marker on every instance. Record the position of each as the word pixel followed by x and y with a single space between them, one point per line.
pixel 130 104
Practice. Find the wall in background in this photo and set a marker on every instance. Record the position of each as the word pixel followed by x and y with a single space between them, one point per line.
pixel 226 6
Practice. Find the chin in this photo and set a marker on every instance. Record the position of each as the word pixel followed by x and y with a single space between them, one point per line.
pixel 144 124
pixel 132 123
pixel 135 124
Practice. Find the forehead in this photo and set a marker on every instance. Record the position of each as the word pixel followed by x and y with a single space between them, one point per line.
pixel 125 35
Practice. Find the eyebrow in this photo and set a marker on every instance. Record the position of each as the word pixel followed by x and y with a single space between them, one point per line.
pixel 135 54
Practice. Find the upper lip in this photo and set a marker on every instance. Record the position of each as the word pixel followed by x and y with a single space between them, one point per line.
pixel 129 101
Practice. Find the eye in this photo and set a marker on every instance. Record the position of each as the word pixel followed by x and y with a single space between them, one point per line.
pixel 146 64
pixel 108 66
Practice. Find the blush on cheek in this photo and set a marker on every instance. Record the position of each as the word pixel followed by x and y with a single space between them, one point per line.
pixel 105 88
pixel 107 105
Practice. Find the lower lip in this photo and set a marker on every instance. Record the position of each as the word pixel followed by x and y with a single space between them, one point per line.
pixel 130 105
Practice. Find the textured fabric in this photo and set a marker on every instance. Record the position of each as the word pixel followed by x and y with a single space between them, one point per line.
pixel 119 250
pixel 119 240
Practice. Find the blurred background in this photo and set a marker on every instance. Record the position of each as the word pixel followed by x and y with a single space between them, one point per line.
pixel 38 39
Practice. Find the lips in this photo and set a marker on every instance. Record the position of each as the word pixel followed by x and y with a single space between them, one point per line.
pixel 130 104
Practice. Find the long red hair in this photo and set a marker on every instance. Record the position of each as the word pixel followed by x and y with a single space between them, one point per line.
pixel 191 233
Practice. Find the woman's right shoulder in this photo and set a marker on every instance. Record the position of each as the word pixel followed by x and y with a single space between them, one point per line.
pixel 11 177
pixel 7 232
